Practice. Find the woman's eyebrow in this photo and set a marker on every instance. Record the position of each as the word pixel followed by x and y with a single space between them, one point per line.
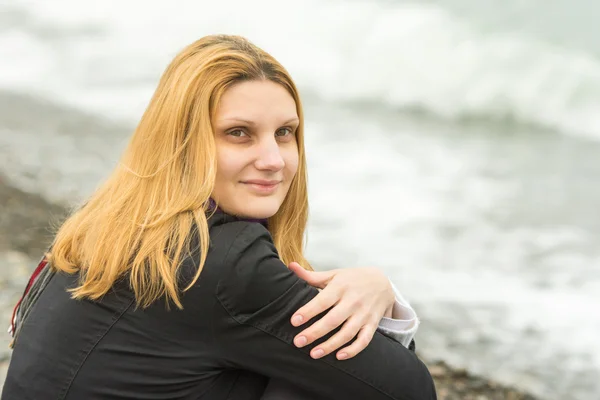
pixel 252 123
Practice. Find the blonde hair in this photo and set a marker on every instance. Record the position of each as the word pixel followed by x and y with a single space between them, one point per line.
pixel 138 222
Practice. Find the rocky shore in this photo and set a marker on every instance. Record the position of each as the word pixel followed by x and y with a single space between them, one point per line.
pixel 26 230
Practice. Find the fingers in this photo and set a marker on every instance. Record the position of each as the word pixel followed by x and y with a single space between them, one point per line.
pixel 343 336
pixel 349 298
pixel 362 341
pixel 295 265
pixel 321 302
pixel 313 278
pixel 334 318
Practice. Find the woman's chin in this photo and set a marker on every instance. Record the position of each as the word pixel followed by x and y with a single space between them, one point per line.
pixel 260 213
pixel 262 208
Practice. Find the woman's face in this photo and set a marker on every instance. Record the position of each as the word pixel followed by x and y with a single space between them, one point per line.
pixel 257 153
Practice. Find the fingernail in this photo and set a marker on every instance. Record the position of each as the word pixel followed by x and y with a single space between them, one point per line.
pixel 342 356
pixel 297 320
pixel 318 353
pixel 301 341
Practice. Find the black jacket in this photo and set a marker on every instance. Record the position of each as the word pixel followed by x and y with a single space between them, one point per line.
pixel 232 336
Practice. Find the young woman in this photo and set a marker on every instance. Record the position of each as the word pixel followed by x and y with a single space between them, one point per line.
pixel 171 281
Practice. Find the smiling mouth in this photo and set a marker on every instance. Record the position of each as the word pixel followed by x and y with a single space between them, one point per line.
pixel 262 188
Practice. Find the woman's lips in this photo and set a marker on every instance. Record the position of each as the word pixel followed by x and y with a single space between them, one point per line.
pixel 262 188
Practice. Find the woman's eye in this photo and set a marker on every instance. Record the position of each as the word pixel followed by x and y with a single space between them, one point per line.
pixel 237 133
pixel 284 132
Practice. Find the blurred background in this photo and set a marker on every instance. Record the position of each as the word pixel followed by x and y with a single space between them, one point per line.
pixel 471 126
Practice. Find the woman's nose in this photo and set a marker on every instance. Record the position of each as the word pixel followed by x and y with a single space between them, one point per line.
pixel 269 156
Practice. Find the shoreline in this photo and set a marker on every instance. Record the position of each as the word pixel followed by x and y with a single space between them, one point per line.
pixel 25 232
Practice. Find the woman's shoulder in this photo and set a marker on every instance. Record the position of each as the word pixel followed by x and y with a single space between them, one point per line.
pixel 227 236
pixel 230 236
pixel 250 273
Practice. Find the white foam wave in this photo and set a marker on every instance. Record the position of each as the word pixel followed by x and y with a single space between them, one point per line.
pixel 422 57
pixel 107 57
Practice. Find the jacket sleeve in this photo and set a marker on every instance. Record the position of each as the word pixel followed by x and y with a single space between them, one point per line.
pixel 403 325
pixel 256 297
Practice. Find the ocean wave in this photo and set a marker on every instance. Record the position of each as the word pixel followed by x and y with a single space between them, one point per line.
pixel 422 59
pixel 412 57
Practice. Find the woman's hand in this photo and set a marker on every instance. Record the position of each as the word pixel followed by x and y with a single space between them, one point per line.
pixel 360 297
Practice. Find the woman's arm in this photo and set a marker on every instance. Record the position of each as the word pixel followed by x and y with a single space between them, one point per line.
pixel 360 300
pixel 257 296
pixel 400 326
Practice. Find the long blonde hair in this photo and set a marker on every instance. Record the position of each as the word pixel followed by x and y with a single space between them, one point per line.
pixel 138 222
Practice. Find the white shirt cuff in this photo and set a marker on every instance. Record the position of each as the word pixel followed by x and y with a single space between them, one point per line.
pixel 404 323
